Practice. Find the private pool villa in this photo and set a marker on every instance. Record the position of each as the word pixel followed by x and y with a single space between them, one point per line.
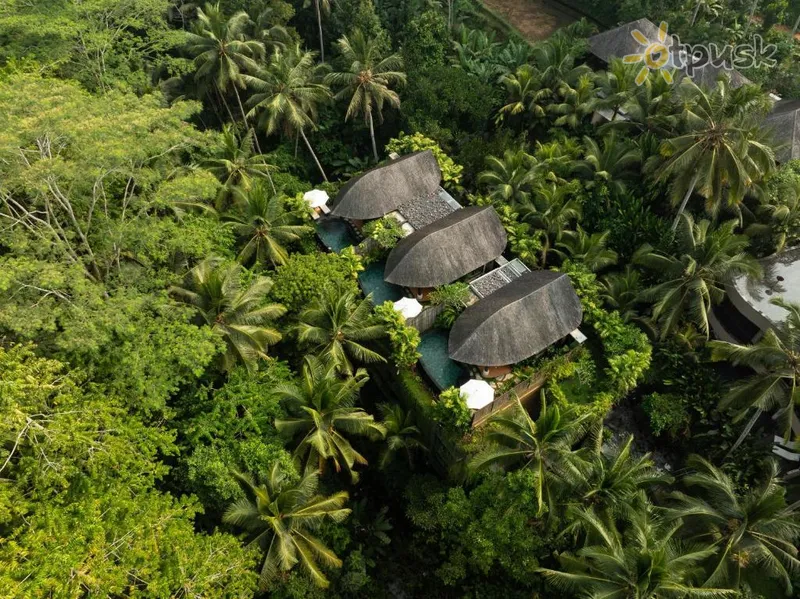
pixel 512 313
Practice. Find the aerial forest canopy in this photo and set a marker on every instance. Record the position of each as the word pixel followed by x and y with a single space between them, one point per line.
pixel 209 387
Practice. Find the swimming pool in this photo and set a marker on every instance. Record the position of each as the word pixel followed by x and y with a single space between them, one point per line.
pixel 335 233
pixel 443 371
pixel 371 279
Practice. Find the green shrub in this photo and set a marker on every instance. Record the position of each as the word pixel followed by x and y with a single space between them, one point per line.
pixel 406 144
pixel 403 338
pixel 304 276
pixel 451 411
pixel 667 412
pixel 453 298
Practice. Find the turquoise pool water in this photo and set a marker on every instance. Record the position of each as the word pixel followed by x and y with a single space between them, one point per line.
pixel 371 279
pixel 334 233
pixel 443 371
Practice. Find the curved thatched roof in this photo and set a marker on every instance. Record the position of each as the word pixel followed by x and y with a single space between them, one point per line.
pixel 383 189
pixel 447 249
pixel 517 321
pixel 784 124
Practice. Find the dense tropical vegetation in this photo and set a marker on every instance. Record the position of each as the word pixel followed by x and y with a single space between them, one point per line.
pixel 198 400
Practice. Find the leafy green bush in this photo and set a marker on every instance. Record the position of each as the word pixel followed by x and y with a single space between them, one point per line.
pixel 417 142
pixel 667 412
pixel 451 411
pixel 381 236
pixel 403 338
pixel 453 298
pixel 304 276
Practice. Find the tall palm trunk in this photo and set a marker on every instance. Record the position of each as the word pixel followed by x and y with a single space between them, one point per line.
pixel 696 11
pixel 225 103
pixel 255 138
pixel 685 201
pixel 319 25
pixel 372 134
pixel 316 160
pixel 796 26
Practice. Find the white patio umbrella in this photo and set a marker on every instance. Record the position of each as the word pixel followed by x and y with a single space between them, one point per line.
pixel 316 198
pixel 408 307
pixel 479 393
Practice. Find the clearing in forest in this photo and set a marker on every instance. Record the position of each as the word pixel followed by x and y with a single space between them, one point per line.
pixel 534 19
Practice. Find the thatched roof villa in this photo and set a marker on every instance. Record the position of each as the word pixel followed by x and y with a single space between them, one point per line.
pixel 620 42
pixel 447 249
pixel 385 188
pixel 516 322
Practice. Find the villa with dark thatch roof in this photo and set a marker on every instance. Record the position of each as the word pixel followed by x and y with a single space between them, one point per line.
pixel 446 250
pixel 784 124
pixel 516 322
pixel 620 42
pixel 385 188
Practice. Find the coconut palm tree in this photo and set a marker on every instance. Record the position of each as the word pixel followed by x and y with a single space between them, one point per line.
pixel 543 446
pixel 320 7
pixel 337 324
pixel 280 515
pixel 551 210
pixel 755 530
pixel 622 291
pixel 269 32
pixel 323 416
pixel 609 165
pixel 367 80
pixel 694 278
pixel 509 179
pixel 616 86
pixel 237 165
pixel 645 560
pixel 776 361
pixel 577 103
pixel 589 250
pixel 720 152
pixel 402 435
pixel 239 315
pixel 555 61
pixel 652 107
pixel 287 94
pixel 781 213
pixel 525 94
pixel 609 479
pixel 263 223
pixel 222 52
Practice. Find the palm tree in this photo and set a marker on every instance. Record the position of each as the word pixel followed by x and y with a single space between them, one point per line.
pixel 756 531
pixel 221 51
pixel 577 103
pixel 264 223
pixel 589 250
pixel 551 210
pixel 237 314
pixel 616 86
pixel 509 178
pixel 337 324
pixel 271 33
pixel 652 107
pixel 525 94
pixel 402 435
pixel 324 415
pixel 609 480
pixel 622 291
pixel 776 361
pixel 367 79
pixel 543 446
pixel 321 6
pixel 608 165
pixel 237 165
pixel 718 153
pixel 555 61
pixel 644 561
pixel 782 215
pixel 287 94
pixel 280 516
pixel 694 279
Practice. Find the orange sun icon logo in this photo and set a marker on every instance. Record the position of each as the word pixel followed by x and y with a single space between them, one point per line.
pixel 655 55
